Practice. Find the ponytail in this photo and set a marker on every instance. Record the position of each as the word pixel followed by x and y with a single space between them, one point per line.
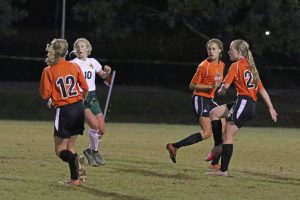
pixel 57 49
pixel 252 67
pixel 243 46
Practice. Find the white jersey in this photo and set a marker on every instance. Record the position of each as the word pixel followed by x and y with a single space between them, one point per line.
pixel 89 67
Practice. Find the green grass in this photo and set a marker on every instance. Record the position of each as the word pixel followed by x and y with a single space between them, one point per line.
pixel 265 165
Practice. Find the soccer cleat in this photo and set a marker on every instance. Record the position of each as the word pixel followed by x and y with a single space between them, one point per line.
pixel 172 151
pixel 70 182
pixel 214 167
pixel 214 153
pixel 209 157
pixel 90 158
pixel 98 158
pixel 217 173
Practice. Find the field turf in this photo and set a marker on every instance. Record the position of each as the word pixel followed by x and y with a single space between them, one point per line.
pixel 265 165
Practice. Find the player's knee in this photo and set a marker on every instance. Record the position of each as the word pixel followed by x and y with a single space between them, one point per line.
pixel 101 131
pixel 214 115
pixel 94 127
pixel 206 134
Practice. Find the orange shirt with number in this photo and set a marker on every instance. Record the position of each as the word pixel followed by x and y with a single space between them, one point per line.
pixel 240 73
pixel 207 73
pixel 61 83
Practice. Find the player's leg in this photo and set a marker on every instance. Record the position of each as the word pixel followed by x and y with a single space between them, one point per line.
pixel 218 126
pixel 96 151
pixel 62 151
pixel 201 107
pixel 93 136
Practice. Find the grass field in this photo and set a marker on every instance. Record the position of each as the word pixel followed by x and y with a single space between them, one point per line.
pixel 265 165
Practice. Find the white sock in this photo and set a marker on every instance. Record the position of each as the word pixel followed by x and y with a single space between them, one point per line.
pixel 93 135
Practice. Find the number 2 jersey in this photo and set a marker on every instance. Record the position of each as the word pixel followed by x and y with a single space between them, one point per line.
pixel 240 73
pixel 89 67
pixel 61 83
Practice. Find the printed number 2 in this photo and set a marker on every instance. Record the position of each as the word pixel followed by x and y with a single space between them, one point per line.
pixel 67 81
pixel 248 76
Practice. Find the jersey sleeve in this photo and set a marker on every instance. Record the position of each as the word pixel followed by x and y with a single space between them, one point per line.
pixel 45 84
pixel 97 65
pixel 231 74
pixel 198 76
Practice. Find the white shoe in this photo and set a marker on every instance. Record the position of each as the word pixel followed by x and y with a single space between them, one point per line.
pixel 217 173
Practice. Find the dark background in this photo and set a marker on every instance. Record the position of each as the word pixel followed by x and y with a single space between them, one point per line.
pixel 155 43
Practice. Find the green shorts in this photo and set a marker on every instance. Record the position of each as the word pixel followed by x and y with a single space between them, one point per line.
pixel 92 103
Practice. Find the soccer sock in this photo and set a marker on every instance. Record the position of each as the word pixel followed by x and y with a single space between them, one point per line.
pixel 217 131
pixel 69 157
pixel 192 139
pixel 226 156
pixel 76 162
pixel 216 160
pixel 94 142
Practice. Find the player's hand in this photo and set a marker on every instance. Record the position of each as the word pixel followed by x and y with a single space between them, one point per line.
pixel 217 84
pixel 273 114
pixel 107 69
pixel 222 91
pixel 50 103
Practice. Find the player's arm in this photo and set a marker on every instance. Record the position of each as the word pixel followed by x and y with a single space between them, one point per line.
pixel 228 80
pixel 45 85
pixel 198 77
pixel 105 73
pixel 203 87
pixel 224 87
pixel 264 94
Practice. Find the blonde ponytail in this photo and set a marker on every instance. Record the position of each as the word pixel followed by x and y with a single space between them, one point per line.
pixel 252 67
pixel 243 46
pixel 58 48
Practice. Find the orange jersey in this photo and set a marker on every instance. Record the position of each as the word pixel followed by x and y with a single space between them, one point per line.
pixel 61 83
pixel 241 75
pixel 207 73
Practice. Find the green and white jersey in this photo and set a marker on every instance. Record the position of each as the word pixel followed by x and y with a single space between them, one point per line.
pixel 89 67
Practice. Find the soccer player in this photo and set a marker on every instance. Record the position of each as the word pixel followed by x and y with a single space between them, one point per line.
pixel 204 83
pixel 60 82
pixel 93 113
pixel 244 74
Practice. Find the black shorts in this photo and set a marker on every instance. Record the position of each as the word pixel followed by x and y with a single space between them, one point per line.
pixel 241 111
pixel 69 120
pixel 203 105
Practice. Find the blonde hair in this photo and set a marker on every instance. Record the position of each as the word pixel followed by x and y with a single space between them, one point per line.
pixel 243 46
pixel 219 43
pixel 57 49
pixel 88 44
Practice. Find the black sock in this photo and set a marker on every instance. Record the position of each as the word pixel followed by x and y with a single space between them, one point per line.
pixel 226 156
pixel 70 158
pixel 76 162
pixel 216 160
pixel 217 131
pixel 66 155
pixel 192 139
